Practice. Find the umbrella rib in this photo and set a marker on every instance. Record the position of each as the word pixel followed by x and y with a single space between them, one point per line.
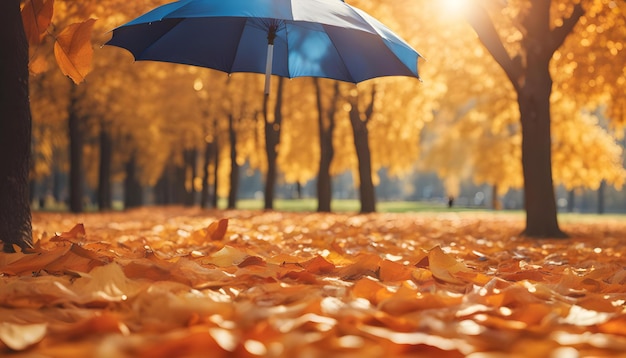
pixel 343 62
pixel 242 28
pixel 177 22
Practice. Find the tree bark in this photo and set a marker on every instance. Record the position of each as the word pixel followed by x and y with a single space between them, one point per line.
pixel 601 191
pixel 539 198
pixel 133 196
pixel 76 142
pixel 216 160
pixel 209 156
pixel 234 167
pixel 104 172
pixel 191 158
pixel 15 130
pixel 272 140
pixel 162 190
pixel 326 128
pixel 360 133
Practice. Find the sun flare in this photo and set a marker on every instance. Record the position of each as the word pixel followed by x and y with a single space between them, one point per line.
pixel 454 7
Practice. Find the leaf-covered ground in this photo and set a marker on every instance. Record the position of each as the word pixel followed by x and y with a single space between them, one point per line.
pixel 174 282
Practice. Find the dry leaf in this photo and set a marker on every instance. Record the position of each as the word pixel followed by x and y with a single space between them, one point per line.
pixel 291 284
pixel 21 336
pixel 36 16
pixel 217 229
pixel 73 52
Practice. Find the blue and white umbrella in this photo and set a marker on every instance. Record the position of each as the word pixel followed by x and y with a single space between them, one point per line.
pixel 288 38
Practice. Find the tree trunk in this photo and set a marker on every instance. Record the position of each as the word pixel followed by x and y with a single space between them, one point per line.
pixel 326 127
pixel 234 167
pixel 216 160
pixel 162 190
pixel 205 195
pixel 360 132
pixel 495 201
pixel 15 130
pixel 191 158
pixel 133 196
pixel 571 200
pixel 179 191
pixel 76 154
pixel 601 190
pixel 534 106
pixel 104 172
pixel 272 140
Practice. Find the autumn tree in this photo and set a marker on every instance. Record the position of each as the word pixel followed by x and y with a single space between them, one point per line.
pixel 542 28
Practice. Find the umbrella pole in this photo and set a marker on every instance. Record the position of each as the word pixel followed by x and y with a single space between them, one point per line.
pixel 271 35
pixel 268 67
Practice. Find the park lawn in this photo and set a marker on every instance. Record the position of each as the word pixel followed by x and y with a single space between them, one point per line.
pixel 174 281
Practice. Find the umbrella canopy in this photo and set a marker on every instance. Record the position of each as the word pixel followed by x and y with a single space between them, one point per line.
pixel 289 38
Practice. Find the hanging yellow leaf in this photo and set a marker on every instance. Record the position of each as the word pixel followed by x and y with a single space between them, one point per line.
pixel 73 51
pixel 36 16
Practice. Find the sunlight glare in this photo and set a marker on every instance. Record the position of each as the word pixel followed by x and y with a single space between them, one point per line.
pixel 454 7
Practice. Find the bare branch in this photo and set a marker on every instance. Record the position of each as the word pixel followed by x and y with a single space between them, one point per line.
pixel 370 107
pixel 559 34
pixel 479 19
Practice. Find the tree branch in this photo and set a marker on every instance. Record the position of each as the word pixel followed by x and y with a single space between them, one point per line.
pixel 370 107
pixel 479 19
pixel 558 34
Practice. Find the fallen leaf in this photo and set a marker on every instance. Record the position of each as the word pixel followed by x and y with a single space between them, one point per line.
pixel 217 229
pixel 21 336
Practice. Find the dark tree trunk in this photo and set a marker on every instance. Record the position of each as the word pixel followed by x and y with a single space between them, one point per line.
pixel 179 191
pixel 571 201
pixel 360 132
pixel 272 140
pixel 529 74
pixel 15 130
pixel 495 201
pixel 216 160
pixel 104 172
pixel 191 171
pixel 133 196
pixel 76 154
pixel 534 106
pixel 209 156
pixel 162 190
pixel 234 167
pixel 326 127
pixel 601 190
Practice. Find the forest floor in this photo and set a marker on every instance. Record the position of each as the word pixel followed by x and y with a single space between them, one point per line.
pixel 179 282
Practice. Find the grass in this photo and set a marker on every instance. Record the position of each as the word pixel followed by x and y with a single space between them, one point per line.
pixel 353 206
pixel 347 206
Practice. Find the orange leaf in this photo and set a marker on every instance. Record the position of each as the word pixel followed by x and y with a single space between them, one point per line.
pixel 73 51
pixel 217 229
pixel 21 336
pixel 394 271
pixel 76 234
pixel 36 16
pixel 444 266
pixel 318 265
